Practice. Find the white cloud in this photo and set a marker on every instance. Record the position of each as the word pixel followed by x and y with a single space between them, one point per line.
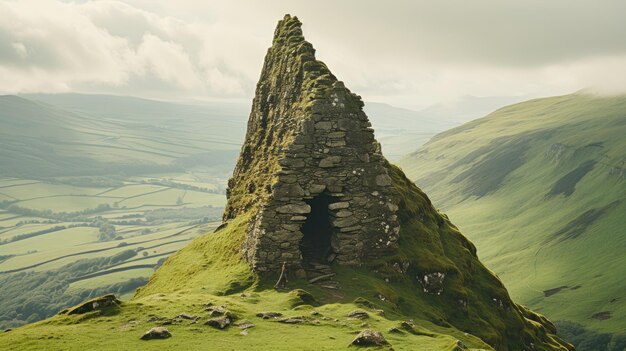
pixel 109 46
pixel 410 53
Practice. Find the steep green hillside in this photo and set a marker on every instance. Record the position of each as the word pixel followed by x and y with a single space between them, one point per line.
pixel 540 188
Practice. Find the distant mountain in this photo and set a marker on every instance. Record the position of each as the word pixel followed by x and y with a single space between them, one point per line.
pixel 540 187
pixel 72 134
pixel 399 129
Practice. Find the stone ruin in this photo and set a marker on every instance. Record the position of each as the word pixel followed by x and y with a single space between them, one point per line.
pixel 310 172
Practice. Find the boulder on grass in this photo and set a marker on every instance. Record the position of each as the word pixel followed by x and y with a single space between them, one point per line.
pixel 99 303
pixel 156 333
pixel 219 322
pixel 369 338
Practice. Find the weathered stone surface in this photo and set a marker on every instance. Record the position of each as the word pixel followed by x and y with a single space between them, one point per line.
pixel 187 316
pixel 296 320
pixel 330 161
pixel 338 205
pixel 289 190
pixel 245 325
pixel 323 125
pixel 156 333
pixel 269 315
pixel 370 338
pixel 358 314
pixel 219 322
pixel 216 310
pixel 99 303
pixel 317 188
pixel 294 209
pixel 345 222
pixel 344 213
pixel 383 180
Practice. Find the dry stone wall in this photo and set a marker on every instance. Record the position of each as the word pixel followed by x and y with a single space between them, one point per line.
pixel 308 135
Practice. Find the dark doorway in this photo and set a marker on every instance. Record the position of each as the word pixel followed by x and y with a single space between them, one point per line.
pixel 317 230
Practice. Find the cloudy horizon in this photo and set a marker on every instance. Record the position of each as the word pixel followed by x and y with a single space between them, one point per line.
pixel 411 53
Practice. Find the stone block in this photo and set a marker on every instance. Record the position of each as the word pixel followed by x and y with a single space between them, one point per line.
pixel 291 227
pixel 344 213
pixel 383 180
pixel 338 205
pixel 330 161
pixel 317 188
pixel 294 209
pixel 345 222
pixel 323 125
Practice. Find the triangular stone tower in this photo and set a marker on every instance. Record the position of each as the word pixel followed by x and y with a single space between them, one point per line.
pixel 310 170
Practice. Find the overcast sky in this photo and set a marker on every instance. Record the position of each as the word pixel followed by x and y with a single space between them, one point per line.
pixel 407 53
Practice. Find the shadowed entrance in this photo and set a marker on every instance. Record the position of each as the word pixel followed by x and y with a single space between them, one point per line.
pixel 315 246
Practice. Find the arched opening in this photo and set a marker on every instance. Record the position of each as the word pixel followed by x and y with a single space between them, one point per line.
pixel 317 230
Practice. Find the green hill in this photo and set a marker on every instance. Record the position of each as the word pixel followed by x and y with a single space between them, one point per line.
pixel 540 188
pixel 422 289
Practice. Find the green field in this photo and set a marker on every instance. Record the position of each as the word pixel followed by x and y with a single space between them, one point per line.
pixel 540 188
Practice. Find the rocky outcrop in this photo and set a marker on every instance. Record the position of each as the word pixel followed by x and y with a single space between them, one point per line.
pixel 98 303
pixel 309 138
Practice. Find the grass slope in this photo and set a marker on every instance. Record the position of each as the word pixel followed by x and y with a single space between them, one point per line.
pixel 539 187
pixel 472 308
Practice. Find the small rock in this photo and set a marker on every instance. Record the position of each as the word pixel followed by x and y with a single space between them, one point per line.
pixel 358 314
pixel 216 310
pixel 369 338
pixel 245 325
pixel 383 180
pixel 244 332
pixel 338 205
pixel 187 316
pixel 296 320
pixel 269 315
pixel 295 209
pixel 156 333
pixel 218 322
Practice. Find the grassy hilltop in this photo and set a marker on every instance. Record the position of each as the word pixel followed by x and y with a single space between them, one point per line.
pixel 211 272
